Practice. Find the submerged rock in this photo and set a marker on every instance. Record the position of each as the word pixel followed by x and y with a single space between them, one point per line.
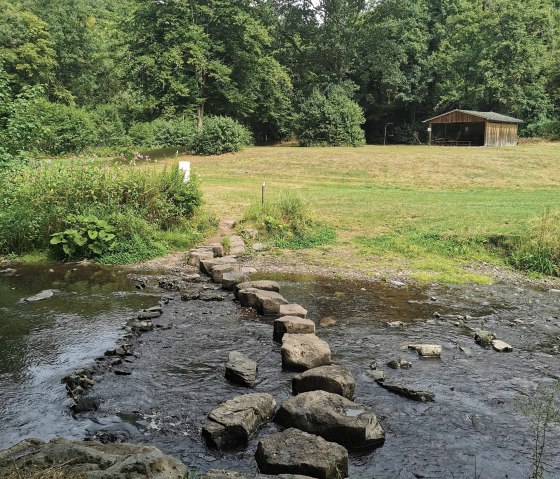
pixel 399 363
pixel 296 452
pixel 45 294
pixel 292 310
pixel 484 338
pixel 292 325
pixel 241 370
pixel 406 391
pixel 304 351
pixel 89 460
pixel 334 378
pixel 332 417
pixel 232 422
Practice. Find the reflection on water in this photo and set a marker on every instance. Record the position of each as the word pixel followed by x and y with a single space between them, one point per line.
pixel 41 342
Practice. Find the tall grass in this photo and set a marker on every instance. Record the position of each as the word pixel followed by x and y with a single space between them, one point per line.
pixel 36 202
pixel 288 222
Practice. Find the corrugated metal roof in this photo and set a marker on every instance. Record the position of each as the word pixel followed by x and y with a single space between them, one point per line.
pixel 486 115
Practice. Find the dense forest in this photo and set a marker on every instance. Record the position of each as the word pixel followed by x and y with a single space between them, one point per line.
pixel 82 73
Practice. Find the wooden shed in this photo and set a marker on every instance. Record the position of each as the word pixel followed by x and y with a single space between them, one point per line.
pixel 472 128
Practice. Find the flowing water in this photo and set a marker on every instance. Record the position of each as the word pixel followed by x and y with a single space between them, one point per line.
pixel 474 426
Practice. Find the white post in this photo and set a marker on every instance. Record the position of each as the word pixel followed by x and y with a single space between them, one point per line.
pixel 186 167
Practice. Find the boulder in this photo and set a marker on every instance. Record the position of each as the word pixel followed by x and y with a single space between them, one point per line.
pixel 241 370
pixel 376 375
pixel 406 391
pixel 296 452
pixel 232 422
pixel 427 350
pixel 399 363
pixel 484 338
pixel 304 351
pixel 292 325
pixel 332 417
pixel 233 278
pixel 89 460
pixel 140 325
pixel 293 310
pixel 219 270
pixel 265 302
pixel 45 294
pixel 263 284
pixel 501 346
pixel 207 265
pixel 196 256
pixel 334 379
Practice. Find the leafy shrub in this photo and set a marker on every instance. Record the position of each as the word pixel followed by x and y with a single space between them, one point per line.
pixel 288 222
pixel 547 129
pixel 332 119
pixel 67 129
pixel 220 134
pixel 109 127
pixel 86 237
pixel 35 202
pixel 162 133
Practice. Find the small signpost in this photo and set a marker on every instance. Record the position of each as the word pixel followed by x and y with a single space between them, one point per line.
pixel 263 192
pixel 186 167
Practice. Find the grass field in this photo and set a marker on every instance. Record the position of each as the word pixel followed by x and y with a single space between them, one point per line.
pixel 425 210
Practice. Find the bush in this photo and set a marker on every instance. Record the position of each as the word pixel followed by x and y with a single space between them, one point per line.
pixel 547 129
pixel 35 203
pixel 220 134
pixel 288 222
pixel 162 133
pixel 331 119
pixel 67 129
pixel 109 127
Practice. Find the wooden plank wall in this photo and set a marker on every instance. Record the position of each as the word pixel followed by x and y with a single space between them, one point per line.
pixel 501 134
pixel 457 117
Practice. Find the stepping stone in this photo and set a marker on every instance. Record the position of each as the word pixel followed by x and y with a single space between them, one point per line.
pixel 296 452
pixel 406 391
pixel 219 270
pixel 263 284
pixel 196 256
pixel 241 370
pixel 293 310
pixel 304 351
pixel 292 325
pixel 232 422
pixel 265 302
pixel 334 418
pixel 233 278
pixel 207 265
pixel 334 379
pixel 427 350
pixel 501 346
pixel 218 250
pixel 237 245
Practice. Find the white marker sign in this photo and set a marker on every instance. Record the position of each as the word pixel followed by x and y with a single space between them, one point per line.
pixel 186 167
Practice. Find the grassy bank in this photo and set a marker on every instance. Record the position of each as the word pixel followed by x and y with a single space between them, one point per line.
pixel 425 211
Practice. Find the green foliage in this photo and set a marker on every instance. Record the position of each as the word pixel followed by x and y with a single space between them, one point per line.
pixel 539 251
pixel 36 202
pixel 543 413
pixel 218 135
pixel 85 237
pixel 547 129
pixel 163 133
pixel 226 243
pixel 288 222
pixel 109 127
pixel 66 129
pixel 330 119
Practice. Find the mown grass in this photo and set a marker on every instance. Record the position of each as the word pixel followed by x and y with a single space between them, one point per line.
pixel 427 211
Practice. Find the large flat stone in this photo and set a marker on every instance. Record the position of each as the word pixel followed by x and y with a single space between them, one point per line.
pixel 263 284
pixel 207 265
pixel 293 310
pixel 196 256
pixel 406 391
pixel 230 425
pixel 334 379
pixel 241 370
pixel 233 278
pixel 334 418
pixel 219 270
pixel 304 351
pixel 89 460
pixel 292 325
pixel 265 302
pixel 296 452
